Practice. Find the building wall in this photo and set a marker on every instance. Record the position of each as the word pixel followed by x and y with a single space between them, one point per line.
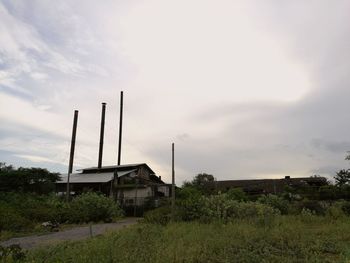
pixel 164 189
pixel 141 192
pixel 128 196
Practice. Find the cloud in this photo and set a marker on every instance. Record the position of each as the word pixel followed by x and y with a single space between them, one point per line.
pixel 244 89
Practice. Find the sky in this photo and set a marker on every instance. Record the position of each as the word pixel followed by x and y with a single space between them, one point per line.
pixel 244 88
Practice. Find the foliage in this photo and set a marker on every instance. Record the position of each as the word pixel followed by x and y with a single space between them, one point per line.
pixel 22 211
pixel 342 177
pixel 202 182
pixel 292 240
pixel 276 202
pixel 220 207
pixel 237 194
pixel 161 215
pixel 347 156
pixel 315 207
pixel 33 180
pixel 12 220
pixel 12 253
pixel 328 192
pixel 346 208
pixel 189 202
pixel 93 207
pixel 335 211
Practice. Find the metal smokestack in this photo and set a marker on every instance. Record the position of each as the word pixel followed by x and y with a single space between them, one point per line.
pixel 72 148
pixel 120 128
pixel 100 152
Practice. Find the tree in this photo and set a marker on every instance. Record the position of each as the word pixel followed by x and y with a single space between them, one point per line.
pixel 34 180
pixel 342 177
pixel 203 182
pixel 347 156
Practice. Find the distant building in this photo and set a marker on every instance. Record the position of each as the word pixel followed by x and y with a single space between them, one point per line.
pixel 267 186
pixel 131 184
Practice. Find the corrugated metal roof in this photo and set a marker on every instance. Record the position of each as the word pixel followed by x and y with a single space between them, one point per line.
pixel 116 167
pixel 92 177
pixel 87 178
pixel 113 166
pixel 122 173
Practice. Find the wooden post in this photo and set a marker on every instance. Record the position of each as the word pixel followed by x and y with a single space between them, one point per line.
pixel 90 229
pixel 72 147
pixel 135 202
pixel 120 128
pixel 172 183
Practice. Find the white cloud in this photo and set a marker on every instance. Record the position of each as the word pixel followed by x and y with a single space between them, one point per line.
pixel 239 86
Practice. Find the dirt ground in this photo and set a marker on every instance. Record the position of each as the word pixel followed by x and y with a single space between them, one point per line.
pixel 76 233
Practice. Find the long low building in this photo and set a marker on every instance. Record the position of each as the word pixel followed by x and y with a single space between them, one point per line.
pixel 267 186
pixel 130 184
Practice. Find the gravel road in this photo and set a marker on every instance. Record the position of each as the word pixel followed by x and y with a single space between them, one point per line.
pixel 76 233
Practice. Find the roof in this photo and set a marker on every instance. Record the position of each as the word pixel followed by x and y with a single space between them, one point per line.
pixel 92 177
pixel 268 185
pixel 116 167
pixel 268 181
pixel 87 178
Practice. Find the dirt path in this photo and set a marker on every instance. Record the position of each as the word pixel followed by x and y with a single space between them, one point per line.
pixel 76 233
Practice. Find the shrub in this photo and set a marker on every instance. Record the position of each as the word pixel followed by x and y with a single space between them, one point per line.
pixel 275 202
pixel 93 207
pixel 221 207
pixel 346 208
pixel 12 220
pixel 161 215
pixel 335 211
pixel 13 253
pixel 307 215
pixel 313 206
pixel 191 207
pixel 237 194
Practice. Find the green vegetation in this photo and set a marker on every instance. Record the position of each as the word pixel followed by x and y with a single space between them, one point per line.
pixel 27 200
pixel 26 180
pixel 303 224
pixel 23 213
pixel 92 207
pixel 303 238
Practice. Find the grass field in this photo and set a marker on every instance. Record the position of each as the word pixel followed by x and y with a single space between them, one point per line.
pixel 286 239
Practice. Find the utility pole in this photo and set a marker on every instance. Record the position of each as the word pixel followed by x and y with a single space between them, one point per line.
pixel 172 183
pixel 72 147
pixel 120 128
pixel 102 130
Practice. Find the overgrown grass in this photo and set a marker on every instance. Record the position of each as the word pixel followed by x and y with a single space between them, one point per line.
pixel 303 238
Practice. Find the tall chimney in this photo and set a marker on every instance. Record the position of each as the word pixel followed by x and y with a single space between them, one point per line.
pixel 72 148
pixel 120 128
pixel 100 152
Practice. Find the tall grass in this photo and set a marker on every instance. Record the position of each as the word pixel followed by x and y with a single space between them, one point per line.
pixel 304 238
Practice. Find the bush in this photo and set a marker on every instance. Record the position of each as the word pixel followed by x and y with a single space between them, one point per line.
pixel 12 220
pixel 93 207
pixel 314 206
pixel 335 211
pixel 160 215
pixel 13 253
pixel 221 207
pixel 346 208
pixel 237 194
pixel 275 202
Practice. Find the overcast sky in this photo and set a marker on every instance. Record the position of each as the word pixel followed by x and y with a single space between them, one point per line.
pixel 245 89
